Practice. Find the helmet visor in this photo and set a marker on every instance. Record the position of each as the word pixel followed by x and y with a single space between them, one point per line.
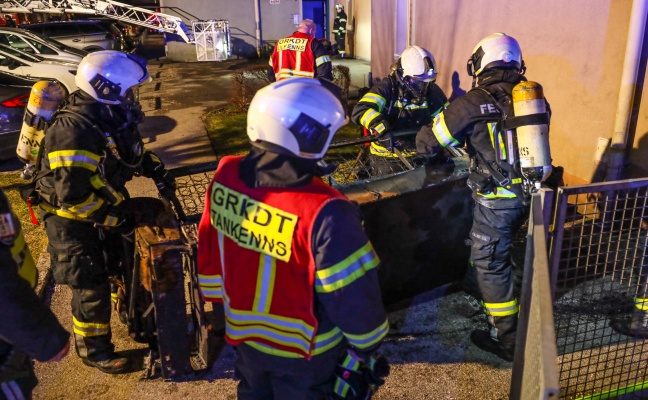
pixel 311 135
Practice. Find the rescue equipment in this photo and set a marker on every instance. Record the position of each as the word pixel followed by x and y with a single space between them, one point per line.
pixel 44 100
pixel 533 136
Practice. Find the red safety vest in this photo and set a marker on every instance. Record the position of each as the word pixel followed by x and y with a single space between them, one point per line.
pixel 293 57
pixel 255 258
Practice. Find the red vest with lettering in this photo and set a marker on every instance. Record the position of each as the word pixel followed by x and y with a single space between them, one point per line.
pixel 255 257
pixel 293 57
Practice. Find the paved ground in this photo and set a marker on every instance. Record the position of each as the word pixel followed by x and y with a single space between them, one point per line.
pixel 428 344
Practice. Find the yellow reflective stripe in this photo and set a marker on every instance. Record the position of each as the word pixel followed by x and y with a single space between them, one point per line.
pixel 368 117
pixel 322 344
pixel 153 156
pixel 80 211
pixel 247 325
pixel 411 106
pixel 380 128
pixel 381 151
pixel 347 271
pixel 265 283
pixel 23 258
pixel 321 60
pixel 499 193
pixel 442 133
pixel 110 220
pixel 90 329
pixel 368 339
pixel 211 286
pixel 516 181
pixel 73 158
pixel 374 98
pixel 289 73
pixel 502 309
pixel 98 183
pixel 641 303
pixel 270 62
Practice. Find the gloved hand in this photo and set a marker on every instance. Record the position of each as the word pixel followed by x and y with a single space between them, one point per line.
pixel 426 142
pixel 165 183
pixel 116 221
pixel 358 375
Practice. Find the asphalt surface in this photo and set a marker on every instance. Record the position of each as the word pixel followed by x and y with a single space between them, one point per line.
pixel 428 344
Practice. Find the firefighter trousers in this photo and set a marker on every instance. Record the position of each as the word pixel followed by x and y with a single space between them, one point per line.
pixel 491 238
pixel 340 42
pixel 266 377
pixel 78 254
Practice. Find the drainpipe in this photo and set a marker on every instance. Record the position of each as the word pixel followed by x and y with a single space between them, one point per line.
pixel 257 20
pixel 616 155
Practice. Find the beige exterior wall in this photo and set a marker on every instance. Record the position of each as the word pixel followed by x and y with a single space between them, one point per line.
pixel 575 49
pixel 362 13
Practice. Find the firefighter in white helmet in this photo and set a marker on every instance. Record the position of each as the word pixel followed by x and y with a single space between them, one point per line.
pixel 339 29
pixel 501 204
pixel 288 258
pixel 90 151
pixel 406 100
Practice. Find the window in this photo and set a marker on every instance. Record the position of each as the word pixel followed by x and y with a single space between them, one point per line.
pixel 402 27
pixel 91 29
pixel 40 47
pixel 63 30
pixel 17 43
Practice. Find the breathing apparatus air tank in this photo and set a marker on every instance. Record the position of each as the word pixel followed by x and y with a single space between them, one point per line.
pixel 44 100
pixel 532 140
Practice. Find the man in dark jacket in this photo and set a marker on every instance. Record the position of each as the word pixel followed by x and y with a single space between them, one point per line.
pixel 28 329
pixel 90 151
pixel 300 55
pixel 339 29
pixel 500 209
pixel 406 100
pixel 287 256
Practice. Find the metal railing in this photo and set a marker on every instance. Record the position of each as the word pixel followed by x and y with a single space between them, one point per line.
pixel 535 372
pixel 598 269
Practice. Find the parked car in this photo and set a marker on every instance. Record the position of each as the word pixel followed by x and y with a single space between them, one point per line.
pixel 29 42
pixel 88 35
pixel 25 64
pixel 14 95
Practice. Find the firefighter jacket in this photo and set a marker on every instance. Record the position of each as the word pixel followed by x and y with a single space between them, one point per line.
pixel 86 163
pixel 472 119
pixel 339 24
pixel 27 327
pixel 287 256
pixel 387 106
pixel 300 55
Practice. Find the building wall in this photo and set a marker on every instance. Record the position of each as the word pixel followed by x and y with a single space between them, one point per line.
pixel 574 49
pixel 363 35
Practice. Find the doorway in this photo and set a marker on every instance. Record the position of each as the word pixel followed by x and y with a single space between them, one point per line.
pixel 317 10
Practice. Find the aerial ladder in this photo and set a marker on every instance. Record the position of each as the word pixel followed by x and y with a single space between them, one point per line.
pixel 212 38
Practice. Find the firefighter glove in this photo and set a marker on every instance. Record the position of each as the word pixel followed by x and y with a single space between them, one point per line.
pixel 359 376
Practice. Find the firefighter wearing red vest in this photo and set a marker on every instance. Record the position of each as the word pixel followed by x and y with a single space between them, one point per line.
pixel 288 258
pixel 300 55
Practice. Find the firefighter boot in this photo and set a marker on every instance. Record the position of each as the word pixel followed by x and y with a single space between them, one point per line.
pixel 635 326
pixel 485 341
pixel 113 364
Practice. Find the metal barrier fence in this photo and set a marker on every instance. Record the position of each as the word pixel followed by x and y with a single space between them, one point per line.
pixel 598 270
pixel 535 374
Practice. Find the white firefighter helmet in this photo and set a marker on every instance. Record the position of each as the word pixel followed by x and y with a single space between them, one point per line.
pixel 495 51
pixel 296 117
pixel 107 75
pixel 339 7
pixel 419 64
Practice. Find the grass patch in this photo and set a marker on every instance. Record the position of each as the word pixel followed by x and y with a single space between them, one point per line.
pixel 227 132
pixel 34 234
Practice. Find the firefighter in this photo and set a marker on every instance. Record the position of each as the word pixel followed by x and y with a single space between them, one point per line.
pixel 300 55
pixel 339 29
pixel 287 256
pixel 90 151
pixel 406 100
pixel 496 66
pixel 28 329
